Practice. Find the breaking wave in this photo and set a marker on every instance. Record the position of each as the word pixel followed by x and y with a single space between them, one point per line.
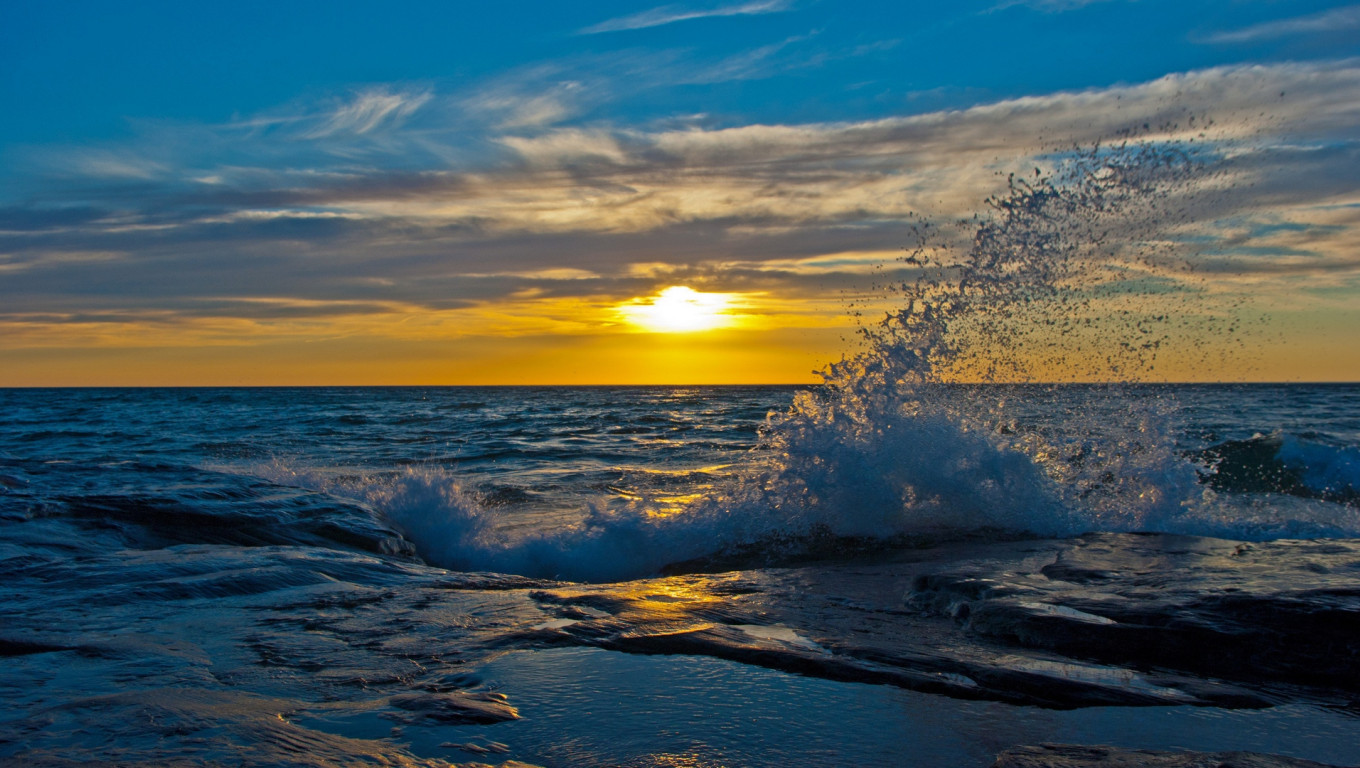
pixel 1077 274
pixel 1284 464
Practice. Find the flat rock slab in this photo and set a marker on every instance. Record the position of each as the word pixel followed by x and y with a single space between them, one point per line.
pixel 1284 611
pixel 1076 756
pixel 1098 620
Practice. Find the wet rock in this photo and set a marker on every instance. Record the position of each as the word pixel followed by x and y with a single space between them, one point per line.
pixel 846 623
pixel 1099 620
pixel 1075 756
pixel 488 748
pixel 182 728
pixel 461 708
pixel 490 582
pixel 474 748
pixel 1286 611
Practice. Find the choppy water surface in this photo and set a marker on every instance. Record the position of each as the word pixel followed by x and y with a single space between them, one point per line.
pixel 237 574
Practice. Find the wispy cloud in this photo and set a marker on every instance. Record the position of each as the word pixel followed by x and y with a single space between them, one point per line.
pixel 1046 6
pixel 1335 20
pixel 670 14
pixel 764 61
pixel 534 99
pixel 113 165
pixel 367 111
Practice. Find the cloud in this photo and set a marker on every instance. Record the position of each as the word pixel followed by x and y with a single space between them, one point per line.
pixel 568 147
pixel 764 61
pixel 367 111
pixel 670 14
pixel 1046 6
pixel 615 178
pixel 531 98
pixel 404 204
pixel 109 165
pixel 1325 22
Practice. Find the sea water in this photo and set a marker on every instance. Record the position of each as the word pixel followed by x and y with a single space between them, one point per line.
pixel 926 559
pixel 182 566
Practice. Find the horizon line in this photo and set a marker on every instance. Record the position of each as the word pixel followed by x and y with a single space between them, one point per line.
pixel 1316 382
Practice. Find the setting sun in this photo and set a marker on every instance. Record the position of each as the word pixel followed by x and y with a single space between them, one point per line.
pixel 680 309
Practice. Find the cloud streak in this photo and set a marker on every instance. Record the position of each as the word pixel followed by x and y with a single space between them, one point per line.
pixel 1046 6
pixel 367 111
pixel 670 14
pixel 1325 22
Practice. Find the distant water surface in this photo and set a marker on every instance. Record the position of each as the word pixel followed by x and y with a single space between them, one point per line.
pixel 265 573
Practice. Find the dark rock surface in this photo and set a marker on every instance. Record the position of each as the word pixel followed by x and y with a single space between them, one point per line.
pixel 290 645
pixel 1286 611
pixel 1075 756
pixel 1102 619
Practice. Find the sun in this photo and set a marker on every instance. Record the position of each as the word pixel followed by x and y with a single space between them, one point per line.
pixel 679 309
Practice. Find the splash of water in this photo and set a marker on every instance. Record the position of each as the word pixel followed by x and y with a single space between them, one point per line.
pixel 1077 274
pixel 1054 280
pixel 1083 273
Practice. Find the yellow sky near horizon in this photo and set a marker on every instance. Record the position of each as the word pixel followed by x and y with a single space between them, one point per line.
pixel 725 338
pixel 751 339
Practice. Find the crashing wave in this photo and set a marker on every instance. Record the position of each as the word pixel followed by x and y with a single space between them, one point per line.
pixel 1071 275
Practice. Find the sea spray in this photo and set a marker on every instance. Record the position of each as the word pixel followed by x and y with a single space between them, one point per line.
pixel 1050 282
pixel 1080 272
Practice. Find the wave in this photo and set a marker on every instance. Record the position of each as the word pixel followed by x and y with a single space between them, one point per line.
pixel 1284 464
pixel 1071 275
pixel 144 504
pixel 846 491
pixel 457 528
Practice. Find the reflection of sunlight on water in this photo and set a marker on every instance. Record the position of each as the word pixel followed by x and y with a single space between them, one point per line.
pixel 649 487
pixel 669 505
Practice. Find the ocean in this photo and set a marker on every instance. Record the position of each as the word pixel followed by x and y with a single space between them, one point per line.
pixel 676 576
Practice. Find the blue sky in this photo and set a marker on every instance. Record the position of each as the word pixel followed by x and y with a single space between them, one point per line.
pixel 83 70
pixel 179 176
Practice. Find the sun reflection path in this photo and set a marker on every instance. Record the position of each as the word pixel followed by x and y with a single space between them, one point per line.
pixel 680 309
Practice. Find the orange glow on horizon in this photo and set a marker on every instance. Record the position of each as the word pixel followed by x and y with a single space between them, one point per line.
pixel 676 336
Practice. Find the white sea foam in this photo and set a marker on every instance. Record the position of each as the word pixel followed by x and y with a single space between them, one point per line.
pixel 927 468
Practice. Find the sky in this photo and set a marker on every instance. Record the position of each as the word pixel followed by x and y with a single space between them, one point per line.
pixel 299 193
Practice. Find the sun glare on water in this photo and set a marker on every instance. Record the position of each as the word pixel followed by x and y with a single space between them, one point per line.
pixel 680 309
